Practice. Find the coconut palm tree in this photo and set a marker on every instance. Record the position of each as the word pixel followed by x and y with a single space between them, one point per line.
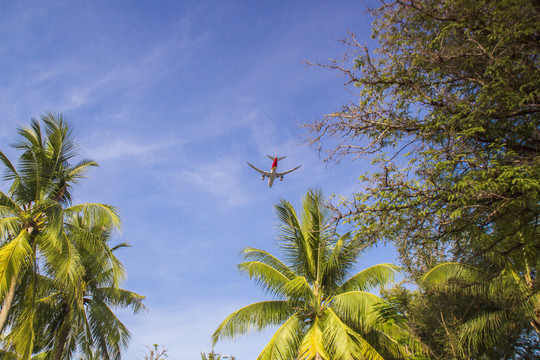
pixel 80 314
pixel 510 302
pixel 322 312
pixel 33 223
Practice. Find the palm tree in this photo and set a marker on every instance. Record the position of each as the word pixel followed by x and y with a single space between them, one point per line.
pixel 510 302
pixel 33 223
pixel 80 314
pixel 321 311
pixel 211 356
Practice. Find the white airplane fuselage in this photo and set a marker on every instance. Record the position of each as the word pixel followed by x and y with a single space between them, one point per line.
pixel 272 176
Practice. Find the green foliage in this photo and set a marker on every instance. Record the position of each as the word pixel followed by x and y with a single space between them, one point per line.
pixel 509 303
pixel 449 113
pixel 58 275
pixel 213 356
pixel 450 107
pixel 460 312
pixel 321 311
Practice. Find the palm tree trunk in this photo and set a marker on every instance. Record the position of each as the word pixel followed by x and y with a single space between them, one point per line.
pixel 64 332
pixel 8 301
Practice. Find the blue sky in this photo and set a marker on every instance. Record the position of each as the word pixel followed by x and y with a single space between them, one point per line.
pixel 172 98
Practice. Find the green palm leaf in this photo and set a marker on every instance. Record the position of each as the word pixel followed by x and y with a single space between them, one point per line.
pixel 96 214
pixel 269 259
pixel 483 329
pixel 344 342
pixel 356 308
pixel 442 273
pixel 14 255
pixel 299 289
pixel 377 275
pixel 117 297
pixel 284 343
pixel 266 276
pixel 256 316
pixel 312 345
pixel 9 225
pixel 11 171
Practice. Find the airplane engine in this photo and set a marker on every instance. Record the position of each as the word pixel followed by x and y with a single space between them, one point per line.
pixel 281 178
pixel 262 177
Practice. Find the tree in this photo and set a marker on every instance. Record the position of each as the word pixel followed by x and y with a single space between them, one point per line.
pixel 35 227
pixel 155 353
pixel 213 356
pixel 506 307
pixel 449 111
pixel 78 317
pixel 322 313
pixel 438 316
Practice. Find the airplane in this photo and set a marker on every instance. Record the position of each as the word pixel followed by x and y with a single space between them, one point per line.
pixel 273 174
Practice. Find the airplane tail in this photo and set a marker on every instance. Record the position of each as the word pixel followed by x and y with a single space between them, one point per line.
pixel 272 157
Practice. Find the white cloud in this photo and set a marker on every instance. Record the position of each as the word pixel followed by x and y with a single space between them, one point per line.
pixel 111 148
pixel 221 179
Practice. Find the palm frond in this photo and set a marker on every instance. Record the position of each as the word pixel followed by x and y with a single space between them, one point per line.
pixel 299 289
pixel 10 172
pixel 63 257
pixel 284 343
pixel 120 246
pixel 312 345
pixel 9 226
pixel 117 297
pixel 269 259
pixel 79 170
pixel 485 329
pixel 8 205
pixel 295 245
pixel 336 268
pixel 442 273
pixel 8 355
pixel 109 334
pixel 32 136
pixel 22 334
pixel 269 278
pixel 356 308
pixel 14 255
pixel 97 215
pixel 377 275
pixel 60 140
pixel 343 341
pixel 256 316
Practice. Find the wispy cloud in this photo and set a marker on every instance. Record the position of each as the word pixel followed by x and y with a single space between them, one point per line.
pixel 112 148
pixel 221 179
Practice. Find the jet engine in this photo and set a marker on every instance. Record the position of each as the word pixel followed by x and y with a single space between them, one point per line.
pixel 281 178
pixel 262 177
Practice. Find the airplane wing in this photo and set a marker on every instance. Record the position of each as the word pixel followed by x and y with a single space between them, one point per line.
pixel 265 173
pixel 286 172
